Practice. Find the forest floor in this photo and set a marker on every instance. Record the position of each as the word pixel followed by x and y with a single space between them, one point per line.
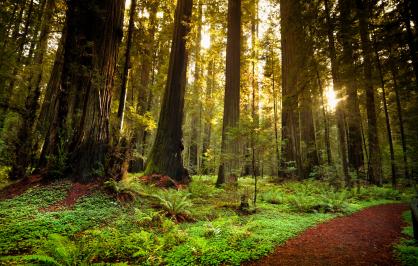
pixel 363 238
pixel 132 223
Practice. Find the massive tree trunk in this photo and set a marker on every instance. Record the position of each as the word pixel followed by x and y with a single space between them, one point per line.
pixel 23 150
pixel 375 165
pixel 126 67
pixel 354 136
pixel 335 72
pixel 81 125
pixel 49 104
pixel 229 167
pixel 196 106
pixel 165 156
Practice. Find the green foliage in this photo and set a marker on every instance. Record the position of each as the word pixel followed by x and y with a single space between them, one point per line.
pixel 273 197
pixel 58 163
pixel 374 192
pixel 407 249
pixel 99 230
pixel 121 188
pixel 174 202
pixel 26 222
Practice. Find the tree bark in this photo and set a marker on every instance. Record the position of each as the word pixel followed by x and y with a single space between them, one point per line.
pixel 400 117
pixel 375 164
pixel 387 118
pixel 229 166
pixel 354 136
pixel 165 156
pixel 126 67
pixel 293 61
pixel 81 125
pixel 195 124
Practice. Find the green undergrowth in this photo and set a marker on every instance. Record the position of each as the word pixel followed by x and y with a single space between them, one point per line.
pixel 199 225
pixel 407 248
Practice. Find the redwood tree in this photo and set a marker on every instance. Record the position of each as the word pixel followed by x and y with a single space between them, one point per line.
pixel 165 156
pixel 229 166
pixel 80 131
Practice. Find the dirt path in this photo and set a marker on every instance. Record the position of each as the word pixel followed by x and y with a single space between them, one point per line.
pixel 364 238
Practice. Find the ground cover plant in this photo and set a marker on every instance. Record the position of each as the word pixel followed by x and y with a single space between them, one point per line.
pixel 407 249
pixel 152 229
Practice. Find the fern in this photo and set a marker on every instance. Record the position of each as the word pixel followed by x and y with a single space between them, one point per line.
pixel 44 259
pixel 174 202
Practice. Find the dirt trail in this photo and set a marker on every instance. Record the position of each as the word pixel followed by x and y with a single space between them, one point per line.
pixel 364 238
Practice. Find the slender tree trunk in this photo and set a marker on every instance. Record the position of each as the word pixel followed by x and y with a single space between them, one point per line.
pixel 326 122
pixel 23 149
pixel 254 85
pixel 412 42
pixel 23 41
pixel 275 116
pixel 195 124
pixel 229 167
pixel 354 136
pixel 35 31
pixel 165 156
pixel 335 72
pixel 210 81
pixel 375 166
pixel 400 117
pixel 7 84
pixel 387 118
pixel 126 67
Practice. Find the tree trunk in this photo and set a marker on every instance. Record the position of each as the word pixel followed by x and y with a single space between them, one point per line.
pixel 335 72
pixel 387 118
pixel 411 39
pixel 49 105
pixel 293 62
pixel 229 167
pixel 375 165
pixel 126 67
pixel 400 117
pixel 195 124
pixel 25 133
pixel 275 116
pixel 94 33
pixel 326 122
pixel 210 81
pixel 354 137
pixel 165 157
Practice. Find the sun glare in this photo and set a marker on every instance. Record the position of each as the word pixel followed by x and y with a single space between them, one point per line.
pixel 332 100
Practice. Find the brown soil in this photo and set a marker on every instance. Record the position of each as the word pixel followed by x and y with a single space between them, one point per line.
pixel 364 238
pixel 20 187
pixel 76 191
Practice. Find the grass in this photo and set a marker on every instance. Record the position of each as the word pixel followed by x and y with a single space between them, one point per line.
pixel 100 229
